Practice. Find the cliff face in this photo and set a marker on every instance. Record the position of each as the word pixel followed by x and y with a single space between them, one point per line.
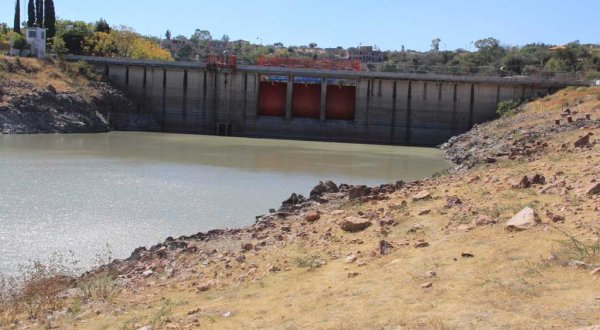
pixel 57 97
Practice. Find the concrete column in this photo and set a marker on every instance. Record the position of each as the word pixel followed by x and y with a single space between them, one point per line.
pixel 290 98
pixel 323 113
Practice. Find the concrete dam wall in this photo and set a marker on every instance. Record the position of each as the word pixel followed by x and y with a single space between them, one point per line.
pixel 361 107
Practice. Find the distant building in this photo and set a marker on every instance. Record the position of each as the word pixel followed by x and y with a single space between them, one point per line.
pixel 36 39
pixel 365 54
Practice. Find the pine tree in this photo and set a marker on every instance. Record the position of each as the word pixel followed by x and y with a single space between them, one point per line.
pixel 30 13
pixel 39 12
pixel 49 18
pixel 17 26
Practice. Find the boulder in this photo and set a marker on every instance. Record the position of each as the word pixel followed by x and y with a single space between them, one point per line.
pixel 522 183
pixel 357 192
pixel 583 141
pixel 294 199
pixel 594 189
pixel 484 220
pixel 312 216
pixel 354 224
pixel 453 202
pixel 322 188
pixel 422 195
pixel 526 219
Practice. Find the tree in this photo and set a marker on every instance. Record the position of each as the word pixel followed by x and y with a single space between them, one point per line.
pixel 278 44
pixel 312 45
pixel 50 19
pixel 225 39
pixel 19 42
pixel 17 23
pixel 489 52
pixel 102 26
pixel 30 13
pixel 39 12
pixel 185 53
pixel 435 44
pixel 201 37
pixel 168 35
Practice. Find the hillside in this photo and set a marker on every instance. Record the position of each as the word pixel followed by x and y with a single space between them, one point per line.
pixel 52 96
pixel 441 253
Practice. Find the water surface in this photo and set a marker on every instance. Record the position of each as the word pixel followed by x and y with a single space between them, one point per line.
pixel 78 193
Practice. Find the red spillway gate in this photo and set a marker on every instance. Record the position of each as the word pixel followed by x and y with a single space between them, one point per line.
pixel 307 101
pixel 341 101
pixel 272 99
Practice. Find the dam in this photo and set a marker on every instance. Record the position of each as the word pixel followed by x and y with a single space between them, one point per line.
pixel 314 104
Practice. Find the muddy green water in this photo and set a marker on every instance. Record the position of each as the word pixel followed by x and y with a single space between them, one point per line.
pixel 80 193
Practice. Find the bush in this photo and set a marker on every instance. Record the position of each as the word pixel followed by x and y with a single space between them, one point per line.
pixel 507 108
pixel 19 42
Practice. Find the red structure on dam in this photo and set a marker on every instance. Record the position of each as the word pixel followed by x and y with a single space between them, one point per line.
pixel 310 97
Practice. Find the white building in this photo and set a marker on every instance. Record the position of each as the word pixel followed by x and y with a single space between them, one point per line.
pixel 36 39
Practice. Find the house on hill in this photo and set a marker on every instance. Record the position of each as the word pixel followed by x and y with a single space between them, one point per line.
pixel 36 42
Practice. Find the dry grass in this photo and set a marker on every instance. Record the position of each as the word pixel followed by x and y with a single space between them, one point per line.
pixel 514 280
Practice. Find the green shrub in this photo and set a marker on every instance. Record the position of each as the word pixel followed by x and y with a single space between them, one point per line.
pixel 507 108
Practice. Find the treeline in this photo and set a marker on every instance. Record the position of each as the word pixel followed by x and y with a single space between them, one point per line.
pixel 100 39
pixel 491 57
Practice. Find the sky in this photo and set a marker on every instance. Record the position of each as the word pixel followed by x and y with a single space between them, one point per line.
pixel 388 24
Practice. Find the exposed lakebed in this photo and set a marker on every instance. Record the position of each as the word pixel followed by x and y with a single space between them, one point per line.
pixel 82 192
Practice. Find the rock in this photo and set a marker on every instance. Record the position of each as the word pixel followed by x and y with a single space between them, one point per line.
pixel 322 188
pixel 453 202
pixel 537 179
pixel 595 272
pixel 583 141
pixel 577 264
pixel 351 258
pixel 294 199
pixel 424 212
pixel 430 274
pixel 594 189
pixel 312 216
pixel 422 195
pixel 204 288
pixel 354 224
pixel 247 246
pixel 467 255
pixel 421 244
pixel 51 89
pixel 523 183
pixel 338 212
pixel 274 269
pixel 484 220
pixel 353 275
pixel 147 273
pixel 146 328
pixel 555 217
pixel 526 219
pixel 490 160
pixel 427 285
pixel 385 247
pixel 357 192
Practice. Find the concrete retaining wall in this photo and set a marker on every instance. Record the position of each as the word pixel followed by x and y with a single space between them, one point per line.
pixel 202 100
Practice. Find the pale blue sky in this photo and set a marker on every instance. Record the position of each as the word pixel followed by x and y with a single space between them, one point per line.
pixel 386 23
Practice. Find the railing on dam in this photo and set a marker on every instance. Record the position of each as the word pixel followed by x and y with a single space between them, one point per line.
pixel 558 81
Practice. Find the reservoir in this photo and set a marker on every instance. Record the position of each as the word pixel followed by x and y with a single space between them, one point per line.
pixel 121 190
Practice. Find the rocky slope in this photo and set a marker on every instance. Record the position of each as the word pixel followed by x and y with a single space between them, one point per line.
pixel 57 97
pixel 508 239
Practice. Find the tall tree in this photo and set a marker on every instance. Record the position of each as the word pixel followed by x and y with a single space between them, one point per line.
pixel 39 12
pixel 30 13
pixel 17 25
pixel 50 18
